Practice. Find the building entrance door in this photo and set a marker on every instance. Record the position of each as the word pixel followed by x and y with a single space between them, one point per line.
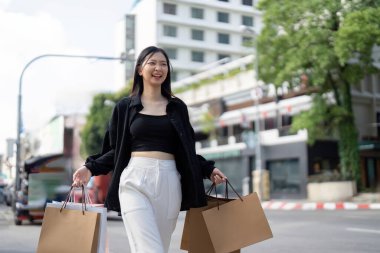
pixel 372 174
pixel 285 179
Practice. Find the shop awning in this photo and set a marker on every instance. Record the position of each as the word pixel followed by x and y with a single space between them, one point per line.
pixel 289 106
pixel 34 163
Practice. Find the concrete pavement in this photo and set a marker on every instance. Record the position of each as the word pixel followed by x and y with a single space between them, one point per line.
pixel 296 231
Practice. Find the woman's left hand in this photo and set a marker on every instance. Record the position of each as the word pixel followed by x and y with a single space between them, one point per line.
pixel 217 177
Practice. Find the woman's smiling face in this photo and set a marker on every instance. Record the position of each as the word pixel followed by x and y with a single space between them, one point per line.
pixel 154 69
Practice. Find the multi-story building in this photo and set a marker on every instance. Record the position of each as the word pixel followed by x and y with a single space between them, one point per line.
pixel 225 96
pixel 196 34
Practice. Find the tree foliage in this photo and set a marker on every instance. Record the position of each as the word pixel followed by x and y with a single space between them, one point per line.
pixel 331 42
pixel 97 120
pixel 208 124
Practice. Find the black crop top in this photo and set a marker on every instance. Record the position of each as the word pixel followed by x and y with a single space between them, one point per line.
pixel 153 133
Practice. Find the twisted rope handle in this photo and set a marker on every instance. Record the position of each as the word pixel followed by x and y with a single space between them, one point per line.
pixel 83 201
pixel 213 187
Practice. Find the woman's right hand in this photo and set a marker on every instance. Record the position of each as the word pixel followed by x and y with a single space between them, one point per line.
pixel 81 176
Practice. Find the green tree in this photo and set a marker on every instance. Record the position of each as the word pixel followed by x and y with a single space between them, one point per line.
pixel 97 120
pixel 208 124
pixel 331 42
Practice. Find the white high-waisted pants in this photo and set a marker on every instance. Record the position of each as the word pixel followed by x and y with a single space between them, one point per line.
pixel 150 199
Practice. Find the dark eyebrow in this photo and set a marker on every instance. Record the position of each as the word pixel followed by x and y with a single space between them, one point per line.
pixel 156 61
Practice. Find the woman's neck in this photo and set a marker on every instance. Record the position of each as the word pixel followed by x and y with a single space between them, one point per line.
pixel 152 94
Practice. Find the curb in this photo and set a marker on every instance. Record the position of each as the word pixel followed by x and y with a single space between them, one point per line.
pixel 310 206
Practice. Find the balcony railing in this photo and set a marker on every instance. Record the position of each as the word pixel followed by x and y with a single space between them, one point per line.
pixel 227 140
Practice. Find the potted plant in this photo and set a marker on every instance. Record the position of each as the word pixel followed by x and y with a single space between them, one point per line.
pixel 330 186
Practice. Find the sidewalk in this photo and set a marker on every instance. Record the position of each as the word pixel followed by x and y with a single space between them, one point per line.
pixel 6 215
pixel 363 201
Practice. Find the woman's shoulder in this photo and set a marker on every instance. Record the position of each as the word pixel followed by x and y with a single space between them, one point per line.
pixel 178 101
pixel 124 102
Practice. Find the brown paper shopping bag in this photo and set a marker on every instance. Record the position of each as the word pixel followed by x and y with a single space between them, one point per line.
pixel 102 241
pixel 69 231
pixel 195 237
pixel 237 224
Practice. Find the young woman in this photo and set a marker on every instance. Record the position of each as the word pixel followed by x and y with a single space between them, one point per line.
pixel 150 146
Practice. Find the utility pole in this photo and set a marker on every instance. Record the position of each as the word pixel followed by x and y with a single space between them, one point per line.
pixel 122 59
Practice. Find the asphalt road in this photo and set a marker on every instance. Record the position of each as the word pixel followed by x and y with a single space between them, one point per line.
pixel 294 231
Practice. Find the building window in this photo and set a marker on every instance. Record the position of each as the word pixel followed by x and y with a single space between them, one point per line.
pixel 269 123
pixel 246 41
pixel 247 2
pixel 247 20
pixel 170 31
pixel 197 34
pixel 172 53
pixel 223 38
pixel 223 56
pixel 197 56
pixel 286 120
pixel 223 17
pixel 197 13
pixel 170 9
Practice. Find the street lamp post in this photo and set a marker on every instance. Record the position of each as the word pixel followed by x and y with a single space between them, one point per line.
pixel 258 173
pixel 122 59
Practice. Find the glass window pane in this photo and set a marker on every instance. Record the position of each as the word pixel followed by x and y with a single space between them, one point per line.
pixel 247 41
pixel 197 13
pixel 247 20
pixel 223 17
pixel 170 8
pixel 285 176
pixel 269 123
pixel 223 56
pixel 223 38
pixel 197 56
pixel 170 31
pixel 197 34
pixel 247 2
pixel 172 53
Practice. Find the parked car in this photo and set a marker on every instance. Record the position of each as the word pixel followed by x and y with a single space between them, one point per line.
pixel 2 197
pixel 9 192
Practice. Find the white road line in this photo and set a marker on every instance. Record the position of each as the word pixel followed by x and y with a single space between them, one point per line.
pixel 362 230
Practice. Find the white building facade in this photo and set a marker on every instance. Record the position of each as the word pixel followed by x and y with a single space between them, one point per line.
pixel 288 158
pixel 196 34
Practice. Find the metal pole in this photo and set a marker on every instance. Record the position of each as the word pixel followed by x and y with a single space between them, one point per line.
pixel 257 121
pixel 258 173
pixel 19 104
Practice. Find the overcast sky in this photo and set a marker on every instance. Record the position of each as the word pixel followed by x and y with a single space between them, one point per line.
pixel 29 28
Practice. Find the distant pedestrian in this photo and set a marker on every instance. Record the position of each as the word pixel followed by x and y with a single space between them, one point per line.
pixel 150 147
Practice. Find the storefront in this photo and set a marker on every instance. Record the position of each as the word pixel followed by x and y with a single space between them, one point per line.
pixel 370 165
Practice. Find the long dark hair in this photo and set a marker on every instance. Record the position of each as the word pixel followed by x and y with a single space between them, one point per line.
pixel 138 84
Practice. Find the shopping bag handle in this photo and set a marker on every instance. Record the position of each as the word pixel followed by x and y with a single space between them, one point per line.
pixel 83 201
pixel 213 187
